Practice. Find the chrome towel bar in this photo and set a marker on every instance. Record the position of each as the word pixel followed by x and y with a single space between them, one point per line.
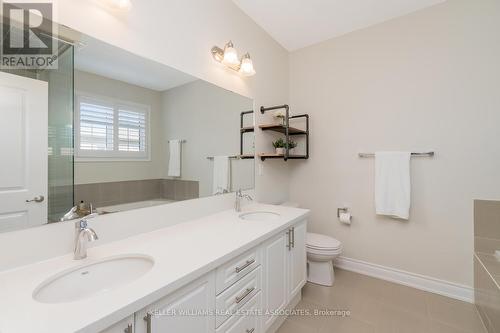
pixel 429 154
pixel 235 157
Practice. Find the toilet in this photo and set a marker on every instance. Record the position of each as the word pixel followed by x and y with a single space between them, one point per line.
pixel 321 250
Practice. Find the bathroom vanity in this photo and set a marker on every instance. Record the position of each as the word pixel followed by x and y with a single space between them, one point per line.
pixel 227 272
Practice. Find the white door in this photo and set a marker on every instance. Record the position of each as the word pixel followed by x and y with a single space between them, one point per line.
pixel 274 284
pixel 124 326
pixel 23 151
pixel 188 310
pixel 298 259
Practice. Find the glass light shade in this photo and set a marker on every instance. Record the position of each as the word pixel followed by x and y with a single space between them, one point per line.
pixel 121 4
pixel 230 56
pixel 247 66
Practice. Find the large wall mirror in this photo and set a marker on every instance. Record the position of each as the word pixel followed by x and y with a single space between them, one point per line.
pixel 110 131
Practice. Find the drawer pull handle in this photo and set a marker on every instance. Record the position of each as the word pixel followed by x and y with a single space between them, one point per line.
pixel 289 235
pixel 245 294
pixel 147 319
pixel 251 331
pixel 248 263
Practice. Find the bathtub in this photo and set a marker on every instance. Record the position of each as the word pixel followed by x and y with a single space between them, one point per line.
pixel 132 205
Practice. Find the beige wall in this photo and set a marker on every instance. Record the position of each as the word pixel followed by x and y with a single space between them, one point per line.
pixel 99 172
pixel 429 80
pixel 180 34
pixel 208 118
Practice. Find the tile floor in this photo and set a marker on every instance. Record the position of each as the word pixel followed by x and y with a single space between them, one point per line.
pixel 380 306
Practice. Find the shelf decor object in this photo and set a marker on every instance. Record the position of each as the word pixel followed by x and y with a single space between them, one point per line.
pixel 288 131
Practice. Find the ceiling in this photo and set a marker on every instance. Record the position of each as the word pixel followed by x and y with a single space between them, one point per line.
pixel 103 59
pixel 299 23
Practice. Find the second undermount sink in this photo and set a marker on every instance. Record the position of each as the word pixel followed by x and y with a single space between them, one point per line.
pixel 86 280
pixel 260 216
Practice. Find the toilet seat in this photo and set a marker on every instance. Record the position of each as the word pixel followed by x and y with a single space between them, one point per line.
pixel 323 243
pixel 323 252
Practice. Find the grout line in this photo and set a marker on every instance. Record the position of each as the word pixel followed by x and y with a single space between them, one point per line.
pixel 487 271
pixel 481 319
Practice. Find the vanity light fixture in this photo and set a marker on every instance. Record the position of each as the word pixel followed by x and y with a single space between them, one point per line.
pixel 229 57
pixel 124 5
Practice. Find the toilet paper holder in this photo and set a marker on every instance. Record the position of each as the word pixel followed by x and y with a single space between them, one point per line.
pixel 342 210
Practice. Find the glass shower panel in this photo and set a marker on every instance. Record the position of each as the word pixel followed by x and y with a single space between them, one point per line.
pixel 60 149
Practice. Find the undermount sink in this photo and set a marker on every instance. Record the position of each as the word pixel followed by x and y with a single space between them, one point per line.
pixel 260 216
pixel 86 280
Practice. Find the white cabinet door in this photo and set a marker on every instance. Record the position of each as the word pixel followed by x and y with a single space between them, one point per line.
pixel 124 326
pixel 23 147
pixel 188 310
pixel 297 259
pixel 274 286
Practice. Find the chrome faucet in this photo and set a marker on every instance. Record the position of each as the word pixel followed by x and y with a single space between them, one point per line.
pixel 70 215
pixel 75 212
pixel 83 235
pixel 239 196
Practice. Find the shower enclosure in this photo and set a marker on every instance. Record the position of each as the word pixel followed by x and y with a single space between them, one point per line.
pixel 60 129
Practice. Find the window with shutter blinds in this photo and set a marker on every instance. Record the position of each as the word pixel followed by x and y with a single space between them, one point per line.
pixel 96 126
pixel 131 130
pixel 110 129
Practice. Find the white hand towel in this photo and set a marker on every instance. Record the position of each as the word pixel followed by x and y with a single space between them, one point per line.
pixel 222 174
pixel 174 162
pixel 392 184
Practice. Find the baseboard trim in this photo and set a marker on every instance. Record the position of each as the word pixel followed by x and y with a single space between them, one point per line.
pixel 422 282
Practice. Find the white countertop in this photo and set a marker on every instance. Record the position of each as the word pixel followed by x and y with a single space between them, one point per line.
pixel 182 253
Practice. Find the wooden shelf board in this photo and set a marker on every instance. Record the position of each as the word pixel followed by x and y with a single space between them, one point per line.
pixel 281 129
pixel 247 156
pixel 273 155
pixel 247 129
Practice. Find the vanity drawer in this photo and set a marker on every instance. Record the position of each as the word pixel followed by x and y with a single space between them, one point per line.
pixel 236 296
pixel 235 269
pixel 246 321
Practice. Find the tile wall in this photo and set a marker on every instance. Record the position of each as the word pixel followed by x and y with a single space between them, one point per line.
pixel 487 262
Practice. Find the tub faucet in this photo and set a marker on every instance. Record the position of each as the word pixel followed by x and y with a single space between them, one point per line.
pixel 83 235
pixel 239 196
pixel 70 215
